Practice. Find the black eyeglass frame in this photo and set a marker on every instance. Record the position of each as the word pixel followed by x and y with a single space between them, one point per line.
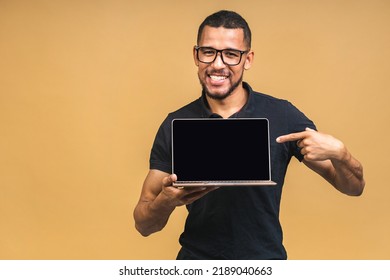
pixel 197 48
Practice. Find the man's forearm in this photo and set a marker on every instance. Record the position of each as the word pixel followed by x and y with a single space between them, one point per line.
pixel 152 216
pixel 348 175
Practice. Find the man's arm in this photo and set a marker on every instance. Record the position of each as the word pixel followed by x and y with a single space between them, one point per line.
pixel 158 200
pixel 330 158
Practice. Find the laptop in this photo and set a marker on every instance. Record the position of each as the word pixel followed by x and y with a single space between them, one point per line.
pixel 221 152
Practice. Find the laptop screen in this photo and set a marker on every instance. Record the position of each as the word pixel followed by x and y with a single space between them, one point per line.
pixel 220 149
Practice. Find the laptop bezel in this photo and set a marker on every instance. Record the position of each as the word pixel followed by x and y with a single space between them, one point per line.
pixel 211 183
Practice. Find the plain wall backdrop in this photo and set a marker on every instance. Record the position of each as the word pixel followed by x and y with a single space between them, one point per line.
pixel 84 86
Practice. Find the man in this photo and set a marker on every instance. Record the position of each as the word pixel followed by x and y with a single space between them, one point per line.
pixel 237 222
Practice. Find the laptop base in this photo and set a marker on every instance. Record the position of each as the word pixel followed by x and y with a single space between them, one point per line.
pixel 223 184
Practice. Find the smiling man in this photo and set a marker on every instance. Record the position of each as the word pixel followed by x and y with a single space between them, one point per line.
pixel 237 222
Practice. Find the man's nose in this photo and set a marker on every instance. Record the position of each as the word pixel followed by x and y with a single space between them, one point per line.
pixel 218 61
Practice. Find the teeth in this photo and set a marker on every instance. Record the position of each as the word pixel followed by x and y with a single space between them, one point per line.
pixel 218 78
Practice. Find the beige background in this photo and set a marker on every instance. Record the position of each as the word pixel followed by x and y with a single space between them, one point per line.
pixel 84 86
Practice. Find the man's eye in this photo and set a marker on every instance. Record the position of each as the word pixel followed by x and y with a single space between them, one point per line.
pixel 208 52
pixel 231 54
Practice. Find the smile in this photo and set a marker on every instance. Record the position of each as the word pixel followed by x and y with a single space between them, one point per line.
pixel 218 78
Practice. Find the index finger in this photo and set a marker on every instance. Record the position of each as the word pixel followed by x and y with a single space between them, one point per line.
pixel 291 137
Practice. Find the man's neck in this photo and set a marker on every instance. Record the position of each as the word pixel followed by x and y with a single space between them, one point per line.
pixel 230 105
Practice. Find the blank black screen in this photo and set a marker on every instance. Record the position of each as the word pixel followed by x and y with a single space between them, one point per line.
pixel 220 149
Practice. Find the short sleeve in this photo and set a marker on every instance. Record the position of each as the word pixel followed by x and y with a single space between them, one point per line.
pixel 160 156
pixel 297 122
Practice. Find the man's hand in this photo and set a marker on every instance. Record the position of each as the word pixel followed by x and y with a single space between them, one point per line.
pixel 330 158
pixel 182 196
pixel 159 199
pixel 316 146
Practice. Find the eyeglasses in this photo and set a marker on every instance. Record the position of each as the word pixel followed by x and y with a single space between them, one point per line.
pixel 229 57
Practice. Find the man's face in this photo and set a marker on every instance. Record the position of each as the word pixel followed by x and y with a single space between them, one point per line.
pixel 218 79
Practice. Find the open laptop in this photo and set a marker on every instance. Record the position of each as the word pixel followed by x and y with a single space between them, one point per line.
pixel 221 152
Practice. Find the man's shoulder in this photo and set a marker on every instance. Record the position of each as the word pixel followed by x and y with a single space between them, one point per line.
pixel 261 103
pixel 260 97
pixel 268 103
pixel 263 97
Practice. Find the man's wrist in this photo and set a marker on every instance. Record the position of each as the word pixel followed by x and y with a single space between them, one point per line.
pixel 163 203
pixel 343 155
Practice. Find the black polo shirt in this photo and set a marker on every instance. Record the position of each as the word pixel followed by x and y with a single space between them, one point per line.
pixel 237 222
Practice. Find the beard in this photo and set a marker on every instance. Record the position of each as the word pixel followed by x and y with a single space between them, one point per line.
pixel 223 95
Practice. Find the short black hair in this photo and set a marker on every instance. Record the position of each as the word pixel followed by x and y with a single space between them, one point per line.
pixel 229 20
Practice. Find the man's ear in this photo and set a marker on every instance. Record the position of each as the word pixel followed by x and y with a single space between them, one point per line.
pixel 249 60
pixel 194 55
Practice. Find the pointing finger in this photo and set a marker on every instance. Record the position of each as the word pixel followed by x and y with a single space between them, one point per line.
pixel 291 137
pixel 294 136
